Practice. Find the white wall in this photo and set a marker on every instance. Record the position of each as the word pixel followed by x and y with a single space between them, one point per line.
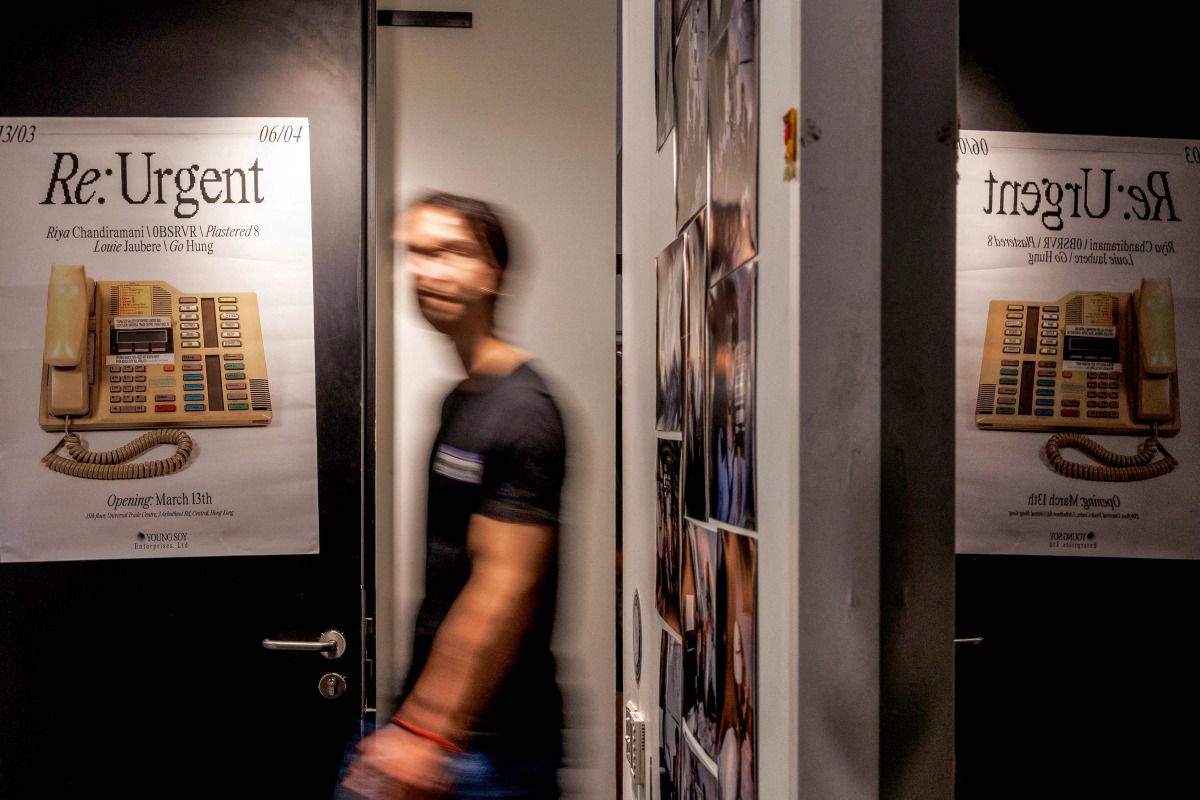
pixel 519 110
pixel 648 225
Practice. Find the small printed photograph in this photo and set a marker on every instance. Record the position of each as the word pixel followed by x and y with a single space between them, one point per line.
pixel 691 115
pixel 718 15
pixel 738 582
pixel 670 701
pixel 731 323
pixel 696 781
pixel 695 327
pixel 733 144
pixel 680 7
pixel 670 550
pixel 664 68
pixel 668 400
pixel 702 655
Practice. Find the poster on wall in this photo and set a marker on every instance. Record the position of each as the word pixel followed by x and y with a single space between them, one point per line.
pixel 668 400
pixel 691 114
pixel 731 379
pixel 738 581
pixel 1078 346
pixel 156 302
pixel 670 550
pixel 701 654
pixel 695 375
pixel 664 60
pixel 670 700
pixel 697 778
pixel 718 14
pixel 733 144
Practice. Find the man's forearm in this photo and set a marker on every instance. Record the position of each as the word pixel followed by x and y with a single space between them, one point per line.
pixel 484 629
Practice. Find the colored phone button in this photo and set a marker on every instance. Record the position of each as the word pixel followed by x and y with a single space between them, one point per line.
pixel 164 398
pixel 164 407
pixel 235 376
pixel 193 397
pixel 237 396
pixel 1045 382
pixel 1044 412
pixel 168 367
pixel 1044 392
pixel 1008 381
pixel 193 376
pixel 236 385
pixel 194 407
pixel 1070 412
pixel 238 406
pixel 233 365
pixel 193 387
pixel 1006 410
pixel 1009 372
pixel 1044 401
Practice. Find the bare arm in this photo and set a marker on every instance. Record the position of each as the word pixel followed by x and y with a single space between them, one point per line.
pixel 484 628
pixel 472 652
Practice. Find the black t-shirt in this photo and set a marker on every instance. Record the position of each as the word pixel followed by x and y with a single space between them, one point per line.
pixel 500 452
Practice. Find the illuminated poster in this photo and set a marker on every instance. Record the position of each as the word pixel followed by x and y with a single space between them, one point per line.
pixel 157 306
pixel 1078 336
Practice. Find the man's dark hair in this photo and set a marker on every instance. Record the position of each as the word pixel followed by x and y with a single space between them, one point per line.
pixel 480 217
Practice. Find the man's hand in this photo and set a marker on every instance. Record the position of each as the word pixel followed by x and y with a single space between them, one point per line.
pixel 394 764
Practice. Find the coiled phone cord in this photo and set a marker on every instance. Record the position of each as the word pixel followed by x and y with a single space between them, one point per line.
pixel 1118 467
pixel 108 465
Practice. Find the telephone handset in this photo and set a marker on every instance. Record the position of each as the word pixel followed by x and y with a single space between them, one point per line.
pixel 1090 362
pixel 141 355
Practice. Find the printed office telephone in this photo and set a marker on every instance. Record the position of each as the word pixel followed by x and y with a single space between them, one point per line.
pixel 1091 362
pixel 131 355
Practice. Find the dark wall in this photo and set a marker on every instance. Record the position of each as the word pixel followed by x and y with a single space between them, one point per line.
pixel 1084 685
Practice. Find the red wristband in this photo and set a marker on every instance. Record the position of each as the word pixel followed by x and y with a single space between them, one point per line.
pixel 440 741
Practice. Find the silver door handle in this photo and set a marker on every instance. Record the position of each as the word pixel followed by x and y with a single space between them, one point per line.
pixel 331 644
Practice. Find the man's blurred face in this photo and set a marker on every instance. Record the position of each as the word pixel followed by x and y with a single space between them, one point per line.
pixel 454 279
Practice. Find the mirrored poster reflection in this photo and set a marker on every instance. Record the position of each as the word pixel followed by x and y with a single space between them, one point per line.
pixel 731 310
